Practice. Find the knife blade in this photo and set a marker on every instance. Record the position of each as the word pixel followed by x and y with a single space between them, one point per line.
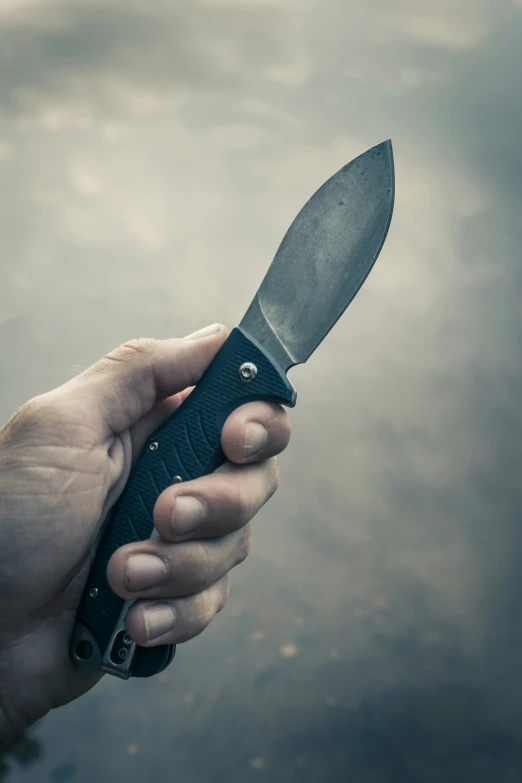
pixel 322 262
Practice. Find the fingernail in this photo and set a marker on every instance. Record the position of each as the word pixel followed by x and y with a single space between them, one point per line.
pixel 144 571
pixel 188 513
pixel 159 619
pixel 206 332
pixel 255 438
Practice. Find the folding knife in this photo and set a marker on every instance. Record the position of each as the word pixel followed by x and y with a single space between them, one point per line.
pixel 323 260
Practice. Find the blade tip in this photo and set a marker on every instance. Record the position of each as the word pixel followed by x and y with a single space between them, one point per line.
pixel 388 147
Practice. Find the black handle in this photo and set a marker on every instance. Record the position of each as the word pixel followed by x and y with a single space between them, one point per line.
pixel 186 446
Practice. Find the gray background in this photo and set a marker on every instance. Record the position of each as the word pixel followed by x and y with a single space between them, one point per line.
pixel 152 155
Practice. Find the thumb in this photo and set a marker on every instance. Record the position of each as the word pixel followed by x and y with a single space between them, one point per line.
pixel 125 385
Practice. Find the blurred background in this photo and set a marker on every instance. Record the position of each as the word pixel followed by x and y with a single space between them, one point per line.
pixel 152 156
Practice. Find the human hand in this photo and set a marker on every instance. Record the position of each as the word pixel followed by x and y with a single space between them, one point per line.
pixel 65 457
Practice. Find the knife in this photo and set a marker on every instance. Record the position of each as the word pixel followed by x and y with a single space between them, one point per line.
pixel 323 260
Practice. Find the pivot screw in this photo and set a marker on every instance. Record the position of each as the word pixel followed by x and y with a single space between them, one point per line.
pixel 93 592
pixel 122 653
pixel 247 372
pixel 154 446
pixel 127 639
pixel 176 480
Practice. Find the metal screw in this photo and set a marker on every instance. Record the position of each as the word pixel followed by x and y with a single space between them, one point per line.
pixel 122 653
pixel 176 480
pixel 93 592
pixel 127 639
pixel 154 446
pixel 247 372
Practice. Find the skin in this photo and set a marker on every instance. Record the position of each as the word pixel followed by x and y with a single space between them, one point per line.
pixel 65 457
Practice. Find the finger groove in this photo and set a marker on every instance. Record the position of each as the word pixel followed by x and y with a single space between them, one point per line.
pixel 165 468
pixel 132 526
pixel 154 482
pixel 142 501
pixel 191 447
pixel 202 430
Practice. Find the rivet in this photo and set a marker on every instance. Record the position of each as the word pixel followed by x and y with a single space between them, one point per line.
pixel 93 592
pixel 154 446
pixel 247 372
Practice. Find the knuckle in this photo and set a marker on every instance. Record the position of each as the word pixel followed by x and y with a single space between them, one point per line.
pixel 244 544
pixel 131 348
pixel 224 593
pixel 240 501
pixel 36 411
pixel 36 408
pixel 287 425
pixel 201 608
pixel 273 476
pixel 205 609
pixel 202 567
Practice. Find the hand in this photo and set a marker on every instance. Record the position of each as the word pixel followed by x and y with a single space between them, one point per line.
pixel 65 457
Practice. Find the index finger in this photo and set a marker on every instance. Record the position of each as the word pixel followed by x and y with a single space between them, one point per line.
pixel 255 431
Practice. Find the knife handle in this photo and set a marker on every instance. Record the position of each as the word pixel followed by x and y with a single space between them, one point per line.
pixel 187 445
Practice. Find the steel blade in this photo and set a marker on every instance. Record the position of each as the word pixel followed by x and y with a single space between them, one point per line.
pixel 324 258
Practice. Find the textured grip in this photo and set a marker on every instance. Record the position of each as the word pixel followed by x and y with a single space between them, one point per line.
pixel 187 445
